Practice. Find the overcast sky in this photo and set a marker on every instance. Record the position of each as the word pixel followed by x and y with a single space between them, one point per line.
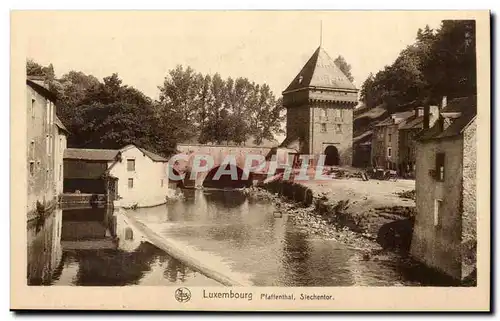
pixel 264 46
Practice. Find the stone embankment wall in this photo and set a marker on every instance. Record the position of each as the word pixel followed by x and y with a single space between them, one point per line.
pixel 391 227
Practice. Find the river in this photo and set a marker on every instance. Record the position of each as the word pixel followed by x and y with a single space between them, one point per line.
pixel 230 233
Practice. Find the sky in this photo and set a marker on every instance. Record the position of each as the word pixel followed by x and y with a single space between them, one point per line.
pixel 264 46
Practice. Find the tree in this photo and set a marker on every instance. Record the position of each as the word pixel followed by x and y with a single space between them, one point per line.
pixel 440 63
pixel 344 67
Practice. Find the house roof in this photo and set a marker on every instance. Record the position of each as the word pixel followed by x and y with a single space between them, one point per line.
pixel 320 71
pixel 59 124
pixel 153 156
pixel 363 137
pixel 401 116
pixel 288 143
pixel 467 107
pixel 460 104
pixel 40 86
pixel 90 154
pixel 413 123
pixel 372 113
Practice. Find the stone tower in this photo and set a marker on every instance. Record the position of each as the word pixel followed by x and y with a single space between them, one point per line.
pixel 320 102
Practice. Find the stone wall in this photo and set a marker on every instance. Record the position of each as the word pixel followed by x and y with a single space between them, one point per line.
pixel 297 125
pixel 338 122
pixel 41 135
pixel 439 246
pixel 469 215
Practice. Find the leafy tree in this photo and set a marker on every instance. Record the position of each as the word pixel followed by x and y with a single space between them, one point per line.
pixel 344 67
pixel 440 62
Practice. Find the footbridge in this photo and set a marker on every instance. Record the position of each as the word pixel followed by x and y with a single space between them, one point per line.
pixel 220 153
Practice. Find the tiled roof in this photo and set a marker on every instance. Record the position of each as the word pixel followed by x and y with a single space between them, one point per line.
pixel 401 116
pixel 294 144
pixel 90 154
pixel 468 108
pixel 40 86
pixel 363 136
pixel 153 156
pixel 460 104
pixel 59 124
pixel 320 71
pixel 372 113
pixel 413 123
pixel 386 122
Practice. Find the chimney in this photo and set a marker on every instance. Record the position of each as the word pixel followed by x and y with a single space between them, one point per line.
pixel 426 116
pixel 444 102
pixel 419 111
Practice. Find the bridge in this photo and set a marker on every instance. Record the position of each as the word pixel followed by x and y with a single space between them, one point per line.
pixel 218 153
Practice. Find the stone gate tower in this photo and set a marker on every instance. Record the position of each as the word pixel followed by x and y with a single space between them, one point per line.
pixel 320 102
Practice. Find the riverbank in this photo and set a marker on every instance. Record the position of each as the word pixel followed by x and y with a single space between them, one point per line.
pixel 306 218
pixel 363 214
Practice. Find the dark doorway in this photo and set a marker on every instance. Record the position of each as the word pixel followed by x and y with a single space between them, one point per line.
pixel 332 156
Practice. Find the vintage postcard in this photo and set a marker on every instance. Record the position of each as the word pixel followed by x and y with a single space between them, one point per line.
pixel 250 160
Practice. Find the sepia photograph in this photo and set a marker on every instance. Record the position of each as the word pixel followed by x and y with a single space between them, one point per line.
pixel 275 160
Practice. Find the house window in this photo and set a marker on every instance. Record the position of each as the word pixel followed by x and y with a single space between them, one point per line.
pixel 32 168
pixel 130 183
pixel 389 137
pixel 440 166
pixel 60 172
pixel 130 165
pixel 437 212
pixel 339 128
pixel 323 128
pixel 48 111
pixel 161 182
pixel 389 151
pixel 32 149
pixel 47 146
pixel 60 144
pixel 33 102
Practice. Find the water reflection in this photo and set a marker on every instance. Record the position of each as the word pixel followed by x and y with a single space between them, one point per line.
pixel 72 248
pixel 44 248
pixel 249 240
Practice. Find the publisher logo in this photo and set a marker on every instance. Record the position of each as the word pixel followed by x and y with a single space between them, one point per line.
pixel 182 294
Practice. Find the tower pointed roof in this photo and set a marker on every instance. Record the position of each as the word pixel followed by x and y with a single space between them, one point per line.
pixel 320 71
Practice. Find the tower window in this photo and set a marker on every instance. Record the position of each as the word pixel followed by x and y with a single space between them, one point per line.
pixel 324 112
pixel 339 128
pixel 33 102
pixel 389 152
pixel 323 128
pixel 437 212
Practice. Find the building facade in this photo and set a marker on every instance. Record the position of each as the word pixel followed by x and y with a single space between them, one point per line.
pixel 142 177
pixel 393 140
pixel 444 235
pixel 385 141
pixel 320 102
pixel 130 175
pixel 43 154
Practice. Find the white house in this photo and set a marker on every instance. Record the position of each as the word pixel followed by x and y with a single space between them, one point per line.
pixel 141 177
pixel 59 147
